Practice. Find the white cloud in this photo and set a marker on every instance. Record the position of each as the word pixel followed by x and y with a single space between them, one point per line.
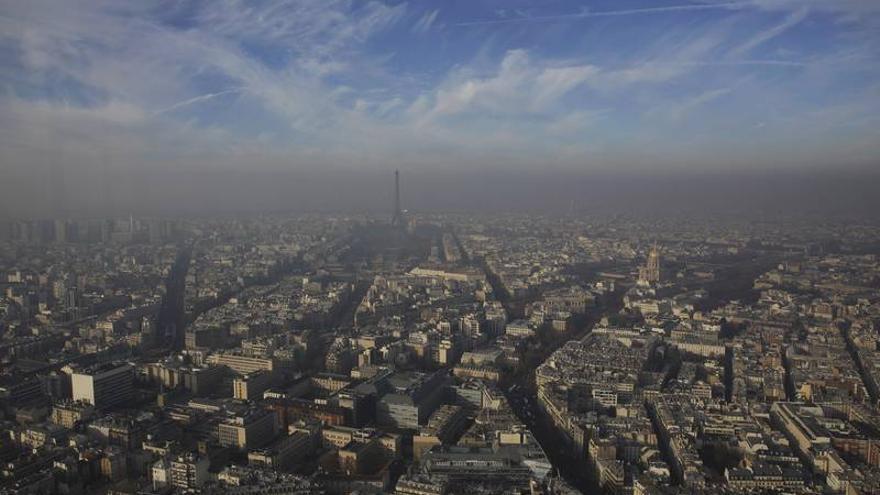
pixel 63 115
pixel 197 99
pixel 520 86
pixel 677 111
pixel 849 7
pixel 667 59
pixel 319 28
pixel 511 107
pixel 554 82
pixel 587 14
pixel 574 123
pixel 762 37
pixel 122 56
pixel 425 22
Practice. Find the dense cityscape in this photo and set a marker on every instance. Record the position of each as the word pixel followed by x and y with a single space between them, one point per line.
pixel 460 247
pixel 439 354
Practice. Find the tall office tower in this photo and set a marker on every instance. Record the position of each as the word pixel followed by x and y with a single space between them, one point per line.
pixel 73 231
pixel 46 231
pixel 650 273
pixel 106 230
pixel 156 230
pixel 59 290
pixel 72 302
pixel 105 385
pixel 60 227
pixel 73 297
pixel 397 217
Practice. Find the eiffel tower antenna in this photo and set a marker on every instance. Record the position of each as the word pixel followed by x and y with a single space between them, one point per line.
pixel 397 217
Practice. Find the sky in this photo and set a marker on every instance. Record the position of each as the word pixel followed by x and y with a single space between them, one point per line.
pixel 107 100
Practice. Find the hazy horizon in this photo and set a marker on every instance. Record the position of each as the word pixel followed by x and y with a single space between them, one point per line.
pixel 199 106
pixel 227 191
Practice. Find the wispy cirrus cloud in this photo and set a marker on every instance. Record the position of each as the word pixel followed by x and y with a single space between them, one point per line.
pixel 302 26
pixel 762 37
pixel 584 13
pixel 425 22
pixel 677 111
pixel 847 7
pixel 367 84
pixel 197 99
pixel 520 86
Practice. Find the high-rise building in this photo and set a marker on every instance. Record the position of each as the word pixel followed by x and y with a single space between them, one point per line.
pixel 173 374
pixel 72 297
pixel 113 464
pixel 252 385
pixel 189 471
pixel 17 389
pixel 60 227
pixel 244 364
pixel 250 430
pixel 283 452
pixel 104 386
pixel 412 399
pixel 68 413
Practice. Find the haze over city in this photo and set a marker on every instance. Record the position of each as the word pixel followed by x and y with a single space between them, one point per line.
pixel 462 247
pixel 170 105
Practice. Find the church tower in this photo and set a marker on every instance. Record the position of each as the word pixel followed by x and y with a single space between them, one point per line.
pixel 650 273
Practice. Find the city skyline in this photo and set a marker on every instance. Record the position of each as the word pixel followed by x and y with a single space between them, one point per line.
pixel 469 247
pixel 468 353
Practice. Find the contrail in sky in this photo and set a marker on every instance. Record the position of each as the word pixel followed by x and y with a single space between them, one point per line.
pixel 608 13
pixel 197 99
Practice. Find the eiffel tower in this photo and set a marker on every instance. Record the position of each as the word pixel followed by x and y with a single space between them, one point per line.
pixel 397 217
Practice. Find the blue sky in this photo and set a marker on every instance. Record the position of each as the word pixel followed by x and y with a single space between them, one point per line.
pixel 458 84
